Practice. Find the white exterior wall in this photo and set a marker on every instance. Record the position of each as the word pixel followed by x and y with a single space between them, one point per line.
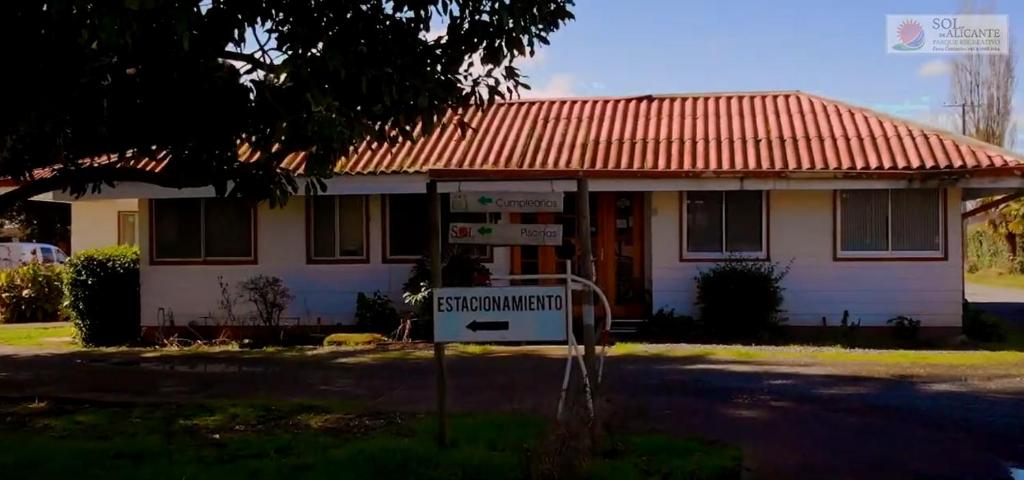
pixel 800 229
pixel 327 292
pixel 94 222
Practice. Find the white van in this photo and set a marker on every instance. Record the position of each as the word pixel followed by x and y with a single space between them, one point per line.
pixel 13 255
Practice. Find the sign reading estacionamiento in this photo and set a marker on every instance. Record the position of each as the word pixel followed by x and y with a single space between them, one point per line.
pixel 500 314
pixel 504 234
pixel 496 202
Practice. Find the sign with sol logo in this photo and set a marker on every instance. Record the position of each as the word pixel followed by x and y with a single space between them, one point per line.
pixel 504 234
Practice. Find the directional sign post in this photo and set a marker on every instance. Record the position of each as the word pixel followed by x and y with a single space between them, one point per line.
pixel 504 234
pixel 498 202
pixel 500 314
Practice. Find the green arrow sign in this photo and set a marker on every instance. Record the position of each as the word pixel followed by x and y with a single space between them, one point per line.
pixel 485 230
pixel 485 200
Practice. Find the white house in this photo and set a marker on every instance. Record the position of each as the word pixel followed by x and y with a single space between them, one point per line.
pixel 865 207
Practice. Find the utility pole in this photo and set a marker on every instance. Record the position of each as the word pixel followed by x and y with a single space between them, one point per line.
pixel 963 115
pixel 586 270
pixel 441 379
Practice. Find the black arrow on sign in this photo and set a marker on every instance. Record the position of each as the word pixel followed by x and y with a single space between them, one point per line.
pixel 476 326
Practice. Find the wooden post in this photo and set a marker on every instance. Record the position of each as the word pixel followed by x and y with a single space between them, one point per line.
pixel 586 270
pixel 434 200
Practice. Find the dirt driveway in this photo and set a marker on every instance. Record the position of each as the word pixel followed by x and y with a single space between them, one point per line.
pixel 792 419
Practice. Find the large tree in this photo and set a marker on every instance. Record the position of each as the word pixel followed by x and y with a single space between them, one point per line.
pixel 92 88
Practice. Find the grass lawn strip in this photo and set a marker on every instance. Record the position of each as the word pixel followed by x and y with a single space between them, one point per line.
pixel 995 278
pixel 52 335
pixel 301 440
pixel 824 354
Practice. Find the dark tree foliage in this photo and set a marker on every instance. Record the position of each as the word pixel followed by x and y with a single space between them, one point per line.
pixel 88 86
pixel 40 221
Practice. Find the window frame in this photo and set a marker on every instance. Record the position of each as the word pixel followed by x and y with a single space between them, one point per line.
pixel 891 255
pixel 121 232
pixel 385 207
pixel 313 260
pixel 203 260
pixel 763 255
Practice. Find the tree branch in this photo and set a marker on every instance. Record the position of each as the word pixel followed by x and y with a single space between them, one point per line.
pixel 92 175
pixel 248 59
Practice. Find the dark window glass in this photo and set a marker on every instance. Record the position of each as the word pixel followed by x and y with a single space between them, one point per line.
pixel 915 220
pixel 743 228
pixel 177 228
pixel 864 220
pixel 47 254
pixel 351 218
pixel 323 226
pixel 407 225
pixel 228 228
pixel 704 221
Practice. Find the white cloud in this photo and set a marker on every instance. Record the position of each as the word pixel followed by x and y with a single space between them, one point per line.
pixel 558 85
pixel 935 68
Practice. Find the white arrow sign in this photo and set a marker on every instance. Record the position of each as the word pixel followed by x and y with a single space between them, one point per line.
pixel 500 314
pixel 504 234
pixel 526 202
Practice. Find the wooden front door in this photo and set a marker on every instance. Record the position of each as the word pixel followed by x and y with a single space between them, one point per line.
pixel 617 236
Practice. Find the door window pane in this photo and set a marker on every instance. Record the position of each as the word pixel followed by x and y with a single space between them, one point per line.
pixel 177 228
pixel 864 216
pixel 407 225
pixel 704 222
pixel 915 220
pixel 323 226
pixel 127 228
pixel 47 254
pixel 351 219
pixel 228 228
pixel 743 227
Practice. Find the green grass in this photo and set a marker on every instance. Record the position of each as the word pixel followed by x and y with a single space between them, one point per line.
pixel 56 335
pixel 309 441
pixel 995 278
pixel 825 354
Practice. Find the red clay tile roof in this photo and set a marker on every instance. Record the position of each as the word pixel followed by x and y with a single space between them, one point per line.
pixel 758 133
pixel 721 133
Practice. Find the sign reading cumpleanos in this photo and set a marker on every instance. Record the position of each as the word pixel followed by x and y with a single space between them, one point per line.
pixel 500 314
pixel 496 202
pixel 504 234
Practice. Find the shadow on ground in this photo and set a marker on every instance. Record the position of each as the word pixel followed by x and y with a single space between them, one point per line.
pixel 790 423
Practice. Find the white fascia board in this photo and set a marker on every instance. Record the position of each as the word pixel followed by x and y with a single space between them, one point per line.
pixel 507 186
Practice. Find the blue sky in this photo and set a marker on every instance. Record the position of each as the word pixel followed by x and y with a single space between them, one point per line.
pixel 833 48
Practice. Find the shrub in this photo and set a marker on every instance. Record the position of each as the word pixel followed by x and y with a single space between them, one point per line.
pixel 458 269
pixel 103 295
pixel 905 329
pixel 980 326
pixel 270 297
pixel 668 326
pixel 32 293
pixel 377 314
pixel 741 300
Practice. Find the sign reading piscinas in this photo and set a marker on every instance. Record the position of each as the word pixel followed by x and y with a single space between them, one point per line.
pixel 497 202
pixel 504 234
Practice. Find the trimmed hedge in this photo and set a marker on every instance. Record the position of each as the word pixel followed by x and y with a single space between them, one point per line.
pixel 103 296
pixel 32 293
